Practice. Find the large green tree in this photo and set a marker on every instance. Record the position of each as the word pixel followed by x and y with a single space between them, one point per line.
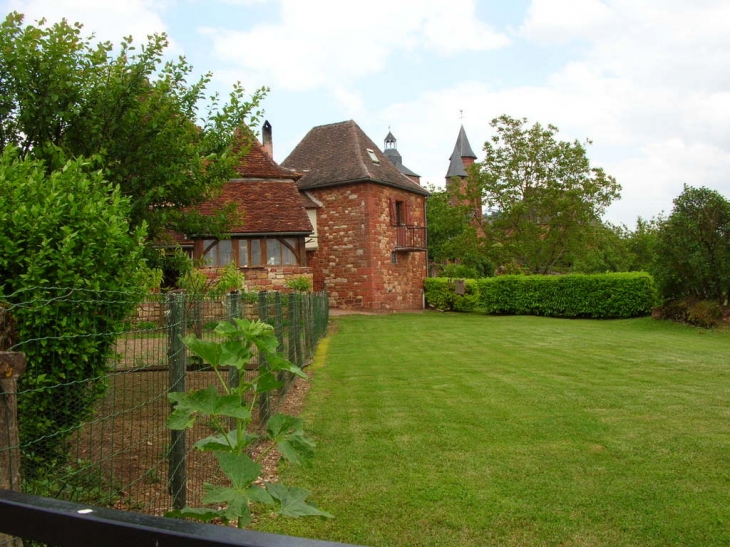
pixel 452 234
pixel 692 249
pixel 156 136
pixel 544 198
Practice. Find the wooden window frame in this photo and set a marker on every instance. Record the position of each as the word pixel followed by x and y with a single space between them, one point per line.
pixel 209 251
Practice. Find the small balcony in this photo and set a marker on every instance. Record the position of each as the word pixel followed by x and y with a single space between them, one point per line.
pixel 410 238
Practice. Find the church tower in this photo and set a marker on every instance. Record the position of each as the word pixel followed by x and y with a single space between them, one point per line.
pixel 462 158
pixel 390 149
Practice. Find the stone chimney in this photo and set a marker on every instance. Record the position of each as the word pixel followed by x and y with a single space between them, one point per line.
pixel 266 139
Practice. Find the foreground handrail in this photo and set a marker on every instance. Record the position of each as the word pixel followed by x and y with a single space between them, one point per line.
pixel 67 524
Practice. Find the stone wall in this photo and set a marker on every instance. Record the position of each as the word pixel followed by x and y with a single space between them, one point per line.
pixel 356 244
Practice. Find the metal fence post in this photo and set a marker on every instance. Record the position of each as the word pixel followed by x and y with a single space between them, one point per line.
pixel 234 312
pixel 176 357
pixel 12 365
pixel 295 336
pixel 264 400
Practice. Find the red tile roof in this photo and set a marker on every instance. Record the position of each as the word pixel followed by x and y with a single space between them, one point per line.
pixel 338 154
pixel 264 206
pixel 258 164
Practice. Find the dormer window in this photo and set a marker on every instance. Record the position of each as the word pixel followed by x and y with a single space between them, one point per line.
pixel 372 155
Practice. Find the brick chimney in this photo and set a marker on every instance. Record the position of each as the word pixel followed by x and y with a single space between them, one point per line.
pixel 266 139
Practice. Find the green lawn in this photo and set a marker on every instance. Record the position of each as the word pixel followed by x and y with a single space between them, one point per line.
pixel 467 430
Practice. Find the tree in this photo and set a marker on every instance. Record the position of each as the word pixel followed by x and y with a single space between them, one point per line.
pixel 452 236
pixel 693 247
pixel 137 117
pixel 65 239
pixel 607 251
pixel 544 198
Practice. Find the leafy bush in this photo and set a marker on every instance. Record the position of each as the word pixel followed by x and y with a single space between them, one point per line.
pixel 441 294
pixel 461 271
pixel 67 254
pixel 300 284
pixel 692 257
pixel 702 313
pixel 604 296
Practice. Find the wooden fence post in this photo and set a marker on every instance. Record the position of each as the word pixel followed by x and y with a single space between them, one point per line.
pixel 12 365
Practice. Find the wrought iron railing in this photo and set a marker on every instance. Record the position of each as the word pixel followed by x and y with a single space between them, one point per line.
pixel 410 238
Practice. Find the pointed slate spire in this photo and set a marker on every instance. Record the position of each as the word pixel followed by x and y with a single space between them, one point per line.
pixel 461 150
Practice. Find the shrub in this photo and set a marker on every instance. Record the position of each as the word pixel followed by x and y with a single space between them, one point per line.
pixel 602 296
pixel 702 313
pixel 300 284
pixel 67 255
pixel 441 294
pixel 461 271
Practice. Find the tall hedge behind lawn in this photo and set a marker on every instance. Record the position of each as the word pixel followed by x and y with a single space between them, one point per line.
pixel 441 294
pixel 604 296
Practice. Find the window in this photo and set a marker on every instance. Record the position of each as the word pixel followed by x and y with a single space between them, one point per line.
pixel 251 252
pixel 372 155
pixel 255 245
pixel 281 251
pixel 400 213
pixel 217 253
pixel 273 252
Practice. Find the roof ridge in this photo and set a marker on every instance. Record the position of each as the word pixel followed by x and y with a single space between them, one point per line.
pixel 359 147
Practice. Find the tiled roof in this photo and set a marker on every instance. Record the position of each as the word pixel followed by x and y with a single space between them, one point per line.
pixel 338 154
pixel 396 159
pixel 308 202
pixel 258 164
pixel 265 207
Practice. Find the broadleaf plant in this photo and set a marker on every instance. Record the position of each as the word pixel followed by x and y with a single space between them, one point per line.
pixel 234 404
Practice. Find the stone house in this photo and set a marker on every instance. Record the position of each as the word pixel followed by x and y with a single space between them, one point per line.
pixel 267 241
pixel 368 216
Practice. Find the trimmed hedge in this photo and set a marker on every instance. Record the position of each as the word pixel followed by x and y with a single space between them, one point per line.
pixel 604 296
pixel 441 294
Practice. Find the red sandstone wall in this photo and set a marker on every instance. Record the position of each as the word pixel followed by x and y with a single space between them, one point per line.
pixel 268 278
pixel 356 240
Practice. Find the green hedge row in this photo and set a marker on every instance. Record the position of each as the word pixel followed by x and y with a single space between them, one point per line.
pixel 604 296
pixel 441 294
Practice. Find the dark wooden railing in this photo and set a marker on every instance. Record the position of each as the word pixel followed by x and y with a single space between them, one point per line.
pixel 66 524
pixel 410 238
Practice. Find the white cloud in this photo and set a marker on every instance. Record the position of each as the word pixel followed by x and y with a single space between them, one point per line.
pixel 656 175
pixel 107 19
pixel 329 42
pixel 560 21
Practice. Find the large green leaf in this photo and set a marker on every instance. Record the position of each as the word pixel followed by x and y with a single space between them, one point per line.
pixel 210 352
pixel 288 434
pixel 240 468
pixel 227 442
pixel 267 381
pixel 235 354
pixel 277 362
pixel 292 501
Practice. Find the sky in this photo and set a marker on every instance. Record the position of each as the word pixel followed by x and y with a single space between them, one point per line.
pixel 647 81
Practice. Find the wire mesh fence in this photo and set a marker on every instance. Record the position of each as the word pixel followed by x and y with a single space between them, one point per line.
pixel 91 417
